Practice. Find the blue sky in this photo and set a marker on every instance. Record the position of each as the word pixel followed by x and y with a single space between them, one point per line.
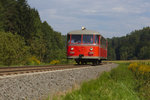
pixel 109 17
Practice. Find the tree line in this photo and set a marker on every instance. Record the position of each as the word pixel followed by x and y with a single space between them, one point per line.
pixel 23 35
pixel 135 45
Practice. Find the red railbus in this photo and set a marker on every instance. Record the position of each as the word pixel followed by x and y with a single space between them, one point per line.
pixel 86 46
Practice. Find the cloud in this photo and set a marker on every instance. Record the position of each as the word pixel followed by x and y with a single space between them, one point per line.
pixel 119 9
pixel 109 17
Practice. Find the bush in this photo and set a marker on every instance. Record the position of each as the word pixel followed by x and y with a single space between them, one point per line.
pixel 33 61
pixel 140 69
pixel 54 62
pixel 12 49
pixel 142 73
pixel 64 61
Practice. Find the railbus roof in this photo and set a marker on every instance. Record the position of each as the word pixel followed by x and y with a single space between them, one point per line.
pixel 85 31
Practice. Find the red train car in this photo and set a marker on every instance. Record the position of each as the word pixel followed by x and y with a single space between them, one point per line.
pixel 86 46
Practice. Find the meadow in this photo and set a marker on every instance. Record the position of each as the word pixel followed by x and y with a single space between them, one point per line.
pixel 129 81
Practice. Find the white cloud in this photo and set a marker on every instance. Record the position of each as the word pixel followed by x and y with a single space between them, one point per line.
pixel 119 9
pixel 89 11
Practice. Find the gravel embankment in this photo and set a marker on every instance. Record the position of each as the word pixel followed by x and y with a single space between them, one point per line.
pixel 34 86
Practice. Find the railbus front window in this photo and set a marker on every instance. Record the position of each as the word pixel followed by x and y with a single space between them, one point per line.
pixel 96 39
pixel 76 39
pixel 88 39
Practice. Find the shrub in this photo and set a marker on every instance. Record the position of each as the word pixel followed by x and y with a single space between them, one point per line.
pixel 133 66
pixel 142 73
pixel 140 68
pixel 33 61
pixel 12 49
pixel 54 62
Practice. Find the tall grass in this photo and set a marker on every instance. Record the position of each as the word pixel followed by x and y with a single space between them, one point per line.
pixel 119 84
pixel 142 74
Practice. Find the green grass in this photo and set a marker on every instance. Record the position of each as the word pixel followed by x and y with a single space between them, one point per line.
pixel 119 84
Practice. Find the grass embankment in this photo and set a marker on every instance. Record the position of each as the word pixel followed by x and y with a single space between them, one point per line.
pixel 119 84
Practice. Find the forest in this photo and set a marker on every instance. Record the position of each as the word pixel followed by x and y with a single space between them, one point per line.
pixel 135 45
pixel 26 40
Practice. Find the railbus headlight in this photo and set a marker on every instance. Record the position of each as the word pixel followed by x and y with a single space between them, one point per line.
pixel 91 49
pixel 72 48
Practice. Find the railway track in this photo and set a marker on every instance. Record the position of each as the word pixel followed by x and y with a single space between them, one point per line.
pixel 32 69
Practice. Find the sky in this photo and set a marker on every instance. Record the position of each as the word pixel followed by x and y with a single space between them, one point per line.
pixel 112 18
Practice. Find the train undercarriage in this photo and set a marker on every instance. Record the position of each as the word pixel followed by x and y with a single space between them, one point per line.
pixel 85 61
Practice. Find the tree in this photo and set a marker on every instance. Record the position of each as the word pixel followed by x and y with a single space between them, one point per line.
pixel 12 49
pixel 132 46
pixel 144 52
pixel 1 16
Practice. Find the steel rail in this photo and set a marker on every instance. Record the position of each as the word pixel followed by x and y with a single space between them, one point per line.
pixel 27 69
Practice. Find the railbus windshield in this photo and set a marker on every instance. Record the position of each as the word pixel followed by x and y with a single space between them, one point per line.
pixel 88 39
pixel 76 39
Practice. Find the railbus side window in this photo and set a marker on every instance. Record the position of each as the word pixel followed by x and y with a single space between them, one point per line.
pixel 76 39
pixel 68 38
pixel 88 39
pixel 102 42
